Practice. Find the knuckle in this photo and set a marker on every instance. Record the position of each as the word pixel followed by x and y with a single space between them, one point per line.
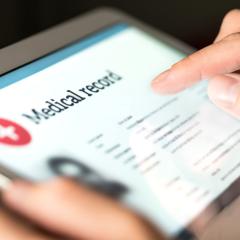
pixel 235 37
pixel 231 15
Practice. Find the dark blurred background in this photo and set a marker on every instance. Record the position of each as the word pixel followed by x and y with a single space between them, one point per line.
pixel 195 22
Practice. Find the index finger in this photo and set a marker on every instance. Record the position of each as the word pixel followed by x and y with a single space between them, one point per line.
pixel 219 58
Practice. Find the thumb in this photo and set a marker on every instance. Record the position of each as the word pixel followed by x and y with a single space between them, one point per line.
pixel 69 209
pixel 224 91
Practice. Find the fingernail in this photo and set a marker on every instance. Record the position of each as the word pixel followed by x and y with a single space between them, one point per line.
pixel 161 80
pixel 229 95
pixel 5 182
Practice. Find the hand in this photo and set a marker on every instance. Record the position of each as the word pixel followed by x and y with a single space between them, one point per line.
pixel 219 63
pixel 71 211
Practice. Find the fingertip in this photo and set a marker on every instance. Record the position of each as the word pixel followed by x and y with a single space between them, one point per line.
pixel 16 192
pixel 160 81
pixel 161 77
pixel 224 92
pixel 165 84
pixel 223 89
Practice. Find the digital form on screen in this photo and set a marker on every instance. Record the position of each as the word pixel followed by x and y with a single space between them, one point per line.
pixel 92 102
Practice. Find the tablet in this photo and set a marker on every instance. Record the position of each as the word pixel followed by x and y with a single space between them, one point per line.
pixel 76 101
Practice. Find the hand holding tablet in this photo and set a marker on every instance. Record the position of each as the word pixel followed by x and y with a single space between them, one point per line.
pixel 71 211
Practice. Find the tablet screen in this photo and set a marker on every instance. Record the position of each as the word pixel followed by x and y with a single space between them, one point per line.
pixel 88 111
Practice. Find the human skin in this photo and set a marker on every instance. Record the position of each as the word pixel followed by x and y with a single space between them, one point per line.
pixel 70 210
pixel 75 212
pixel 219 63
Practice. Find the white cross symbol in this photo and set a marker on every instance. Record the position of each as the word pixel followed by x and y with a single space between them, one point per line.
pixel 8 132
